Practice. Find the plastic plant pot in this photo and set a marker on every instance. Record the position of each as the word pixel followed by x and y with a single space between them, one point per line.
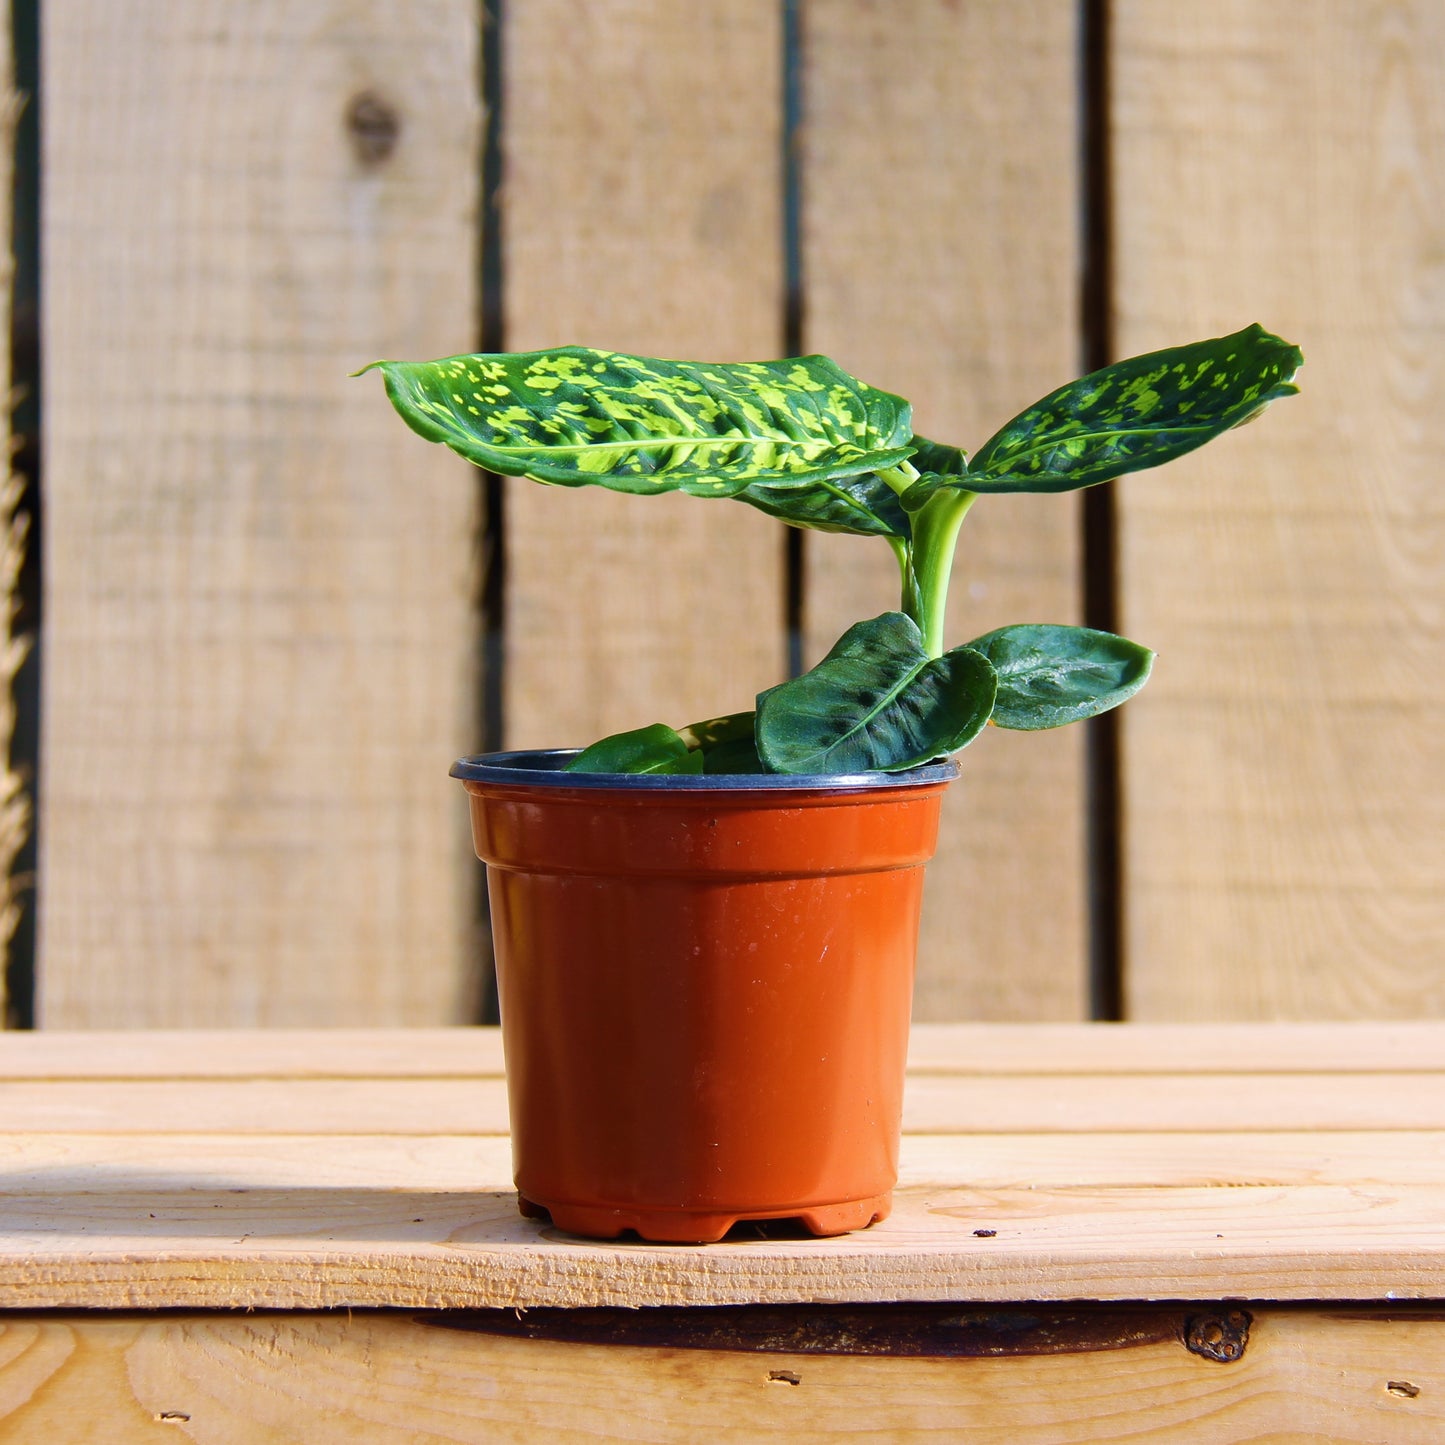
pixel 705 987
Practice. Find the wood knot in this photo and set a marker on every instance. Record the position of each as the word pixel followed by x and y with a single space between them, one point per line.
pixel 374 127
pixel 1220 1337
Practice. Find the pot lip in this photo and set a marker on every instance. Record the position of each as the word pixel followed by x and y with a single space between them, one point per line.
pixel 542 767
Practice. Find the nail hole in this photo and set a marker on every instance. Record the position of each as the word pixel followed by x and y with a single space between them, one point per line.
pixel 374 127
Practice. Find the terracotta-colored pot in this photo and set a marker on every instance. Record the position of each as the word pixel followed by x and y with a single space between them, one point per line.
pixel 705 986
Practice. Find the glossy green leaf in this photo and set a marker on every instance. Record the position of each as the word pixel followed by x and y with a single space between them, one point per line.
pixel 1135 414
pixel 714 730
pixel 914 499
pixel 939 465
pixel 579 417
pixel 654 749
pixel 726 744
pixel 864 505
pixel 937 457
pixel 736 755
pixel 1049 676
pixel 877 702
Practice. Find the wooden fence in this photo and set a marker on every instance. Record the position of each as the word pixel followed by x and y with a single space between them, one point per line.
pixel 263 634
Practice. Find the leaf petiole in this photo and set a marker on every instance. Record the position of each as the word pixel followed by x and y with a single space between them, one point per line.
pixel 935 534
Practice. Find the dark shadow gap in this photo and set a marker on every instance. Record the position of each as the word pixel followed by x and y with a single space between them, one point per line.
pixel 795 539
pixel 26 442
pixel 1100 589
pixel 492 337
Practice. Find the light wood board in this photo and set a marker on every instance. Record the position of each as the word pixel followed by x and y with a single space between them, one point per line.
pixel 641 213
pixel 1198 1050
pixel 381 1379
pixel 259 610
pixel 940 260
pixel 1284 809
pixel 1125 1178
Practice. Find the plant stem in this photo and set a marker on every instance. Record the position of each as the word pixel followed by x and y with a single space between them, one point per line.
pixel 935 534
pixel 899 478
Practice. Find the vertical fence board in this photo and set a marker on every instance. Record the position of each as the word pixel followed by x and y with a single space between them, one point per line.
pixel 1284 816
pixel 641 213
pixel 258 612
pixel 14 802
pixel 941 258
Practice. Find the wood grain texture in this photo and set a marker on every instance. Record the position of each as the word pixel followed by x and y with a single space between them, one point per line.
pixel 1121 1180
pixel 259 593
pixel 940 262
pixel 641 214
pixel 935 1103
pixel 1184 1050
pixel 1284 808
pixel 388 1380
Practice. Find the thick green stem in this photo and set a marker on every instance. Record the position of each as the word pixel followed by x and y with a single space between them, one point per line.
pixel 935 533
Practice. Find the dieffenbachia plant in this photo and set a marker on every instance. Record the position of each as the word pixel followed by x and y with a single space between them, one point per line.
pixel 809 444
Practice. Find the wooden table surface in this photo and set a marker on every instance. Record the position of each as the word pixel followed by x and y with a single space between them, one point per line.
pixel 1043 1166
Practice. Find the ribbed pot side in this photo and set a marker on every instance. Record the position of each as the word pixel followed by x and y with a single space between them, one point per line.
pixel 705 997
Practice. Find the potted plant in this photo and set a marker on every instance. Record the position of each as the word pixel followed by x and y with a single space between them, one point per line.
pixel 705 935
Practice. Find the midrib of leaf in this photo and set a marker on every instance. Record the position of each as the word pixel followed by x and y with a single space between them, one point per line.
pixel 636 443
pixel 848 499
pixel 887 700
pixel 1092 436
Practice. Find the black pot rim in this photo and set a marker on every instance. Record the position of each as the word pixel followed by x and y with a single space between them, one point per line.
pixel 542 767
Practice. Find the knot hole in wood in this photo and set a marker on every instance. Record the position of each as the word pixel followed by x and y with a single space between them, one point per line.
pixel 1220 1337
pixel 374 126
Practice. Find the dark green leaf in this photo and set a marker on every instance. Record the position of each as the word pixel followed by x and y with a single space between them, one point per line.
pixel 876 702
pixel 736 755
pixel 714 730
pixel 654 749
pixel 864 505
pixel 1049 676
pixel 580 417
pixel 1135 414
pixel 939 466
pixel 726 744
pixel 914 499
pixel 937 457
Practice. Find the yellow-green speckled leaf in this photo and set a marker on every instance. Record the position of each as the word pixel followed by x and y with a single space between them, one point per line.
pixel 1134 414
pixel 579 417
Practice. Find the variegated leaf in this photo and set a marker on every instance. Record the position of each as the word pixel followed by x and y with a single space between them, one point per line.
pixel 1135 414
pixel 579 417
pixel 864 505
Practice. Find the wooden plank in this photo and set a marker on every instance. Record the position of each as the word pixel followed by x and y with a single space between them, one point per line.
pixel 933 1104
pixel 462 1163
pixel 240 1054
pixel 325 1248
pixel 975 1049
pixel 1110 1182
pixel 642 214
pixel 259 601
pixel 941 261
pixel 380 1379
pixel 1284 816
